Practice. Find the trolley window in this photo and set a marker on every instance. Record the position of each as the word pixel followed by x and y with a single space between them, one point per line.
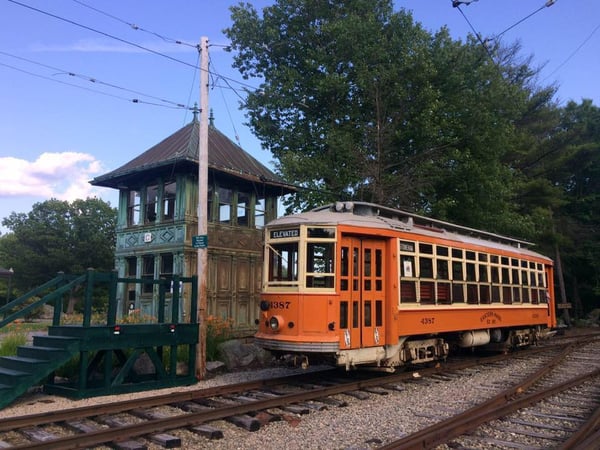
pixel 320 256
pixel 283 262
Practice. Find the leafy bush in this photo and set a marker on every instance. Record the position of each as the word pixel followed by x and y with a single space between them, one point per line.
pixel 218 330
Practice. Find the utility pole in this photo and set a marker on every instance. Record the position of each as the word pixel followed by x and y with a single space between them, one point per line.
pixel 202 255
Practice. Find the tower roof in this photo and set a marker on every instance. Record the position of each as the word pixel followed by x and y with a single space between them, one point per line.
pixel 179 152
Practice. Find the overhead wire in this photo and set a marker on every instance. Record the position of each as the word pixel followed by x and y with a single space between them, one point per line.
pixel 228 80
pixel 72 22
pixel 91 79
pixel 125 41
pixel 134 100
pixel 456 4
pixel 134 26
pixel 215 78
pixel 579 47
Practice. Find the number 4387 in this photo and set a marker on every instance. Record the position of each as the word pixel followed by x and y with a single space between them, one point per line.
pixel 427 320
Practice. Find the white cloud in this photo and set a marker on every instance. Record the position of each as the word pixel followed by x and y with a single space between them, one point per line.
pixel 64 176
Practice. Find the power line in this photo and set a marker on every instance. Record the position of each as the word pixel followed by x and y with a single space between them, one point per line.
pixel 573 53
pixel 96 91
pixel 548 4
pixel 136 27
pixel 141 47
pixel 92 79
pixel 457 3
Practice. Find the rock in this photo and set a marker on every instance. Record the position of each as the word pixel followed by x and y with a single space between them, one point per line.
pixel 238 354
pixel 214 366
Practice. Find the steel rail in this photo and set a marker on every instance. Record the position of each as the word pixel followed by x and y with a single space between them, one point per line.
pixel 12 423
pixel 190 419
pixel 586 437
pixel 498 406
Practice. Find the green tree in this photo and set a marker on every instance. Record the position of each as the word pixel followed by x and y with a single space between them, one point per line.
pixel 58 236
pixel 575 170
pixel 357 101
pixel 334 94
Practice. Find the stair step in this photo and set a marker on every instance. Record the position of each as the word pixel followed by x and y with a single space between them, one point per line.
pixel 11 376
pixel 61 342
pixel 39 352
pixel 21 363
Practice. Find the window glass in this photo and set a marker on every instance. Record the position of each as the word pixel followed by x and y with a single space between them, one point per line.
pixel 151 204
pixel 442 269
pixel 320 257
pixel 406 246
pixel 259 213
pixel 378 263
pixel 283 261
pixel 367 311
pixel 483 278
pixel 133 208
pixel 470 272
pixel 343 314
pixel 408 266
pixel 426 267
pixel 367 263
pixel 324 233
pixel 244 210
pixel 495 275
pixel 166 264
pixel 378 313
pixel 147 273
pixel 131 266
pixel 131 271
pixel 319 260
pixel 169 200
pixel 225 197
pixel 442 251
pixel 426 248
pixel 457 270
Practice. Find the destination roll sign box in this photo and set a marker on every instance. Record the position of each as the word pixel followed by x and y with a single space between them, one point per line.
pixel 282 234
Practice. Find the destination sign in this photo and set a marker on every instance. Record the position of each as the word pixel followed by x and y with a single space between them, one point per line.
pixel 282 234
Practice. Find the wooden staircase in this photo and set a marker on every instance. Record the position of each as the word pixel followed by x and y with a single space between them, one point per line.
pixel 33 364
pixel 106 353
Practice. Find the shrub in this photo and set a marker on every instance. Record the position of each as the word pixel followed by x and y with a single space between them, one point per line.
pixel 136 316
pixel 217 330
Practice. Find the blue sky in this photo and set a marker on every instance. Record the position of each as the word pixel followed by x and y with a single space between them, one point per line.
pixel 58 131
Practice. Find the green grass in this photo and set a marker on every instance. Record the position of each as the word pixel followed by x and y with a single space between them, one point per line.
pixel 25 327
pixel 10 342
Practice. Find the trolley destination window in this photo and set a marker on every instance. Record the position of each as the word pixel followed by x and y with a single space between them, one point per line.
pixel 301 257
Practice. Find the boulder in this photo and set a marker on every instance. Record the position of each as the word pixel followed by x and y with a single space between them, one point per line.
pixel 238 354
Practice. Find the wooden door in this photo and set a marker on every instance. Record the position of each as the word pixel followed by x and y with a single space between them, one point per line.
pixel 362 292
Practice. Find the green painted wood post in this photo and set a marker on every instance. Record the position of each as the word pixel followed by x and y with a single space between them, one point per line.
pixel 87 305
pixel 161 300
pixel 175 300
pixel 58 303
pixel 111 318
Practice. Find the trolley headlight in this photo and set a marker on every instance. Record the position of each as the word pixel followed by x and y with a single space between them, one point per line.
pixel 276 322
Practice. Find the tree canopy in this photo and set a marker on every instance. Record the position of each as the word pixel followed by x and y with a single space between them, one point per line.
pixel 358 101
pixel 58 236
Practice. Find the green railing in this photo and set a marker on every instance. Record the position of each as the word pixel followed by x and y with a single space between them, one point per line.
pixel 62 284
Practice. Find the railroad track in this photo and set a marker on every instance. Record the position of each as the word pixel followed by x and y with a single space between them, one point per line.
pixel 158 420
pixel 558 406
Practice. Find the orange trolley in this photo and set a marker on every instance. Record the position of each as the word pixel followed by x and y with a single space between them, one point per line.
pixel 361 284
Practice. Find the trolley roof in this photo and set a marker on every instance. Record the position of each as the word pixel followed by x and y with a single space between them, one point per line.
pixel 376 216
